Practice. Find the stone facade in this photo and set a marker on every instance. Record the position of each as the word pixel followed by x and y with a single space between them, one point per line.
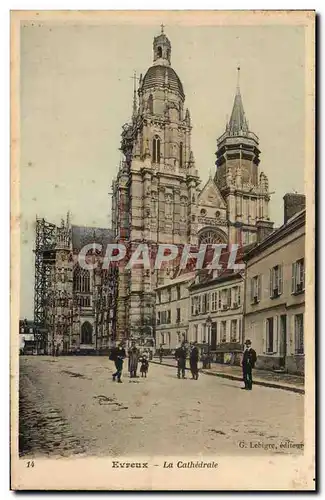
pixel 79 307
pixel 156 195
pixel 275 297
pixel 172 312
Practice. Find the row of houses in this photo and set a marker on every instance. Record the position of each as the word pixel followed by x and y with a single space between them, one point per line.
pixel 264 303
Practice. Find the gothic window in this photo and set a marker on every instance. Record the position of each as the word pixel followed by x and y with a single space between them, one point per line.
pixel 181 154
pixel 183 208
pixel 150 104
pixel 156 149
pixel 81 280
pixel 159 52
pixel 210 237
pixel 86 333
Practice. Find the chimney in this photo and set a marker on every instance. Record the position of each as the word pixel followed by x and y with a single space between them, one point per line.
pixel 264 229
pixel 293 203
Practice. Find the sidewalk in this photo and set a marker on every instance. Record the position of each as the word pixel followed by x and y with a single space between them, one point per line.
pixel 284 381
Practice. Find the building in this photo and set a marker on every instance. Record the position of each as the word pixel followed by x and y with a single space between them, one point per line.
pixel 157 196
pixel 172 312
pixel 275 292
pixel 27 337
pixel 74 307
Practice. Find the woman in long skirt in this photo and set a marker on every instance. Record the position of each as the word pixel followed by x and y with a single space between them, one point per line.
pixel 134 355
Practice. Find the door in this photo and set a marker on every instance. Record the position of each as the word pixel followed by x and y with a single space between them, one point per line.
pixel 283 340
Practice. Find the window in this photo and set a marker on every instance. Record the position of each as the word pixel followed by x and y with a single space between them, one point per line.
pixel 214 301
pixel 178 315
pixel 178 292
pixel 86 333
pixel 233 330
pixel 203 212
pixel 181 154
pixel 159 52
pixel 169 295
pixel 269 335
pixel 235 297
pixel 298 276
pixel 275 281
pixel 205 303
pixel 150 104
pixel 229 298
pixel 158 318
pixel 219 300
pixel 299 334
pixel 223 331
pixel 156 149
pixel 162 338
pixel 196 333
pixel 255 289
pixel 81 280
pixel 159 297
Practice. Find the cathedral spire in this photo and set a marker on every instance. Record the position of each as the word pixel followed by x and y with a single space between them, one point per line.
pixel 134 111
pixel 238 123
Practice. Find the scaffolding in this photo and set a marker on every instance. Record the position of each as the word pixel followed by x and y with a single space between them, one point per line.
pixel 45 243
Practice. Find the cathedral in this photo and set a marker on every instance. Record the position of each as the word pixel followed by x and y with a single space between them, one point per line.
pixel 157 196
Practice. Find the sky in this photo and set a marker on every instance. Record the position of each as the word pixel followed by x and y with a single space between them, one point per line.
pixel 76 92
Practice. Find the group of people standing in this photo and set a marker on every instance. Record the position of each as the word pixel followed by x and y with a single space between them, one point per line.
pixel 181 355
pixel 118 355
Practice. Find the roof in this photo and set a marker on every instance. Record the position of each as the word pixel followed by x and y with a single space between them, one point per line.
pixel 296 221
pixel 83 235
pixel 176 281
pixel 238 122
pixel 156 76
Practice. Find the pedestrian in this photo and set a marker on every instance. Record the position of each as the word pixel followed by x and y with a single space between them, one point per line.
pixel 180 355
pixel 144 365
pixel 134 355
pixel 194 358
pixel 118 355
pixel 248 363
pixel 161 352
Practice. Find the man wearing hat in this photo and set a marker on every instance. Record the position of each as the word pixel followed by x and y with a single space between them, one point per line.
pixel 248 363
pixel 194 358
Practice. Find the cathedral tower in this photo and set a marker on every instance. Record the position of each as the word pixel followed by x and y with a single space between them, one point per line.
pixel 155 193
pixel 245 191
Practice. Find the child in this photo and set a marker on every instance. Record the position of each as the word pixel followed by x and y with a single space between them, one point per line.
pixel 144 365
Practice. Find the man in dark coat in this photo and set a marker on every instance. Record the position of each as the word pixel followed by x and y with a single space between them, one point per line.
pixel 180 356
pixel 161 352
pixel 118 355
pixel 194 358
pixel 248 363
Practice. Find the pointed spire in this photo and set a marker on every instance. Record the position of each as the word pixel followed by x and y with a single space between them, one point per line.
pixel 237 123
pixel 134 113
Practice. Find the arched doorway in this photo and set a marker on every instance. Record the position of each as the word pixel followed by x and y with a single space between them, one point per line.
pixel 86 333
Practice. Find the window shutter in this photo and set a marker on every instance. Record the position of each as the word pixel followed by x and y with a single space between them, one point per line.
pixel 293 278
pixel 238 296
pixel 259 285
pixel 280 278
pixel 275 333
pixel 229 297
pixel 271 282
pixel 252 289
pixel 303 274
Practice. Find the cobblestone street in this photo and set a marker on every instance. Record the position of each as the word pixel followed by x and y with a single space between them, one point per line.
pixel 69 405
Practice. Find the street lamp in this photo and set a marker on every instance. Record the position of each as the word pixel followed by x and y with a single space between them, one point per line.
pixel 208 324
